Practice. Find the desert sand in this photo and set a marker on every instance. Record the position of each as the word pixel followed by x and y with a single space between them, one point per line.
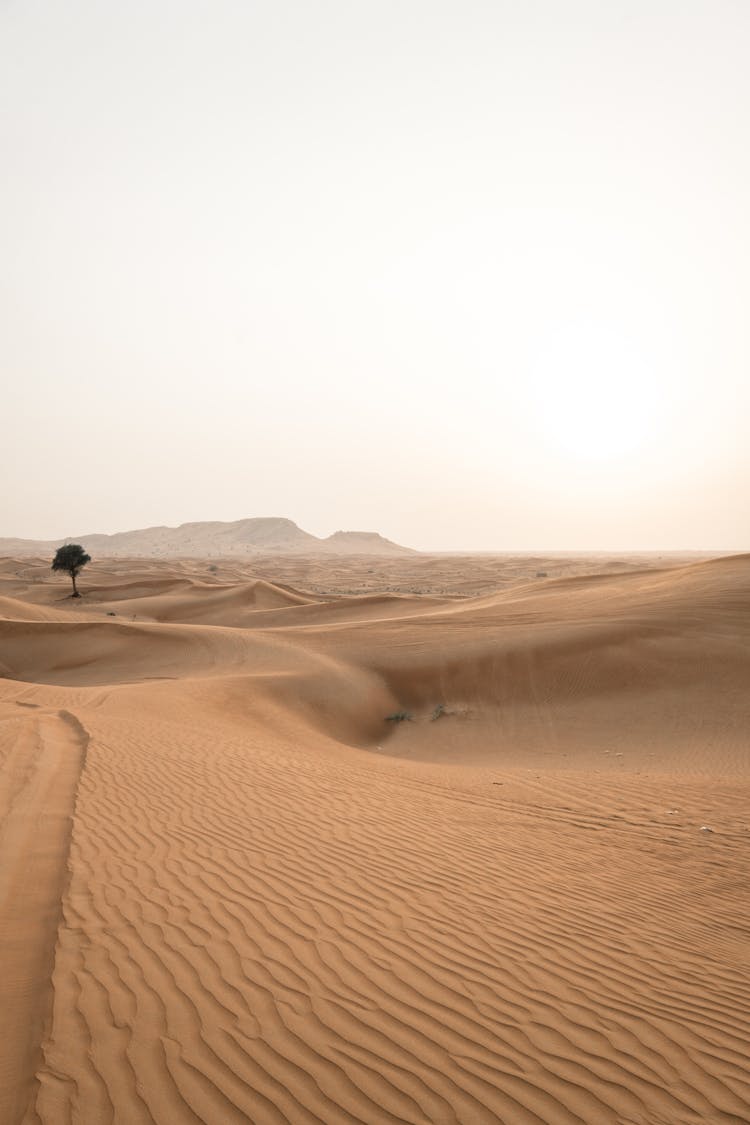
pixel 373 840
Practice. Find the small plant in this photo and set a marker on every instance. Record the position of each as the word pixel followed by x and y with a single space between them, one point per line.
pixel 399 717
pixel 438 712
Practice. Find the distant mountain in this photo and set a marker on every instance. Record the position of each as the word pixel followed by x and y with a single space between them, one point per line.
pixel 361 543
pixel 262 536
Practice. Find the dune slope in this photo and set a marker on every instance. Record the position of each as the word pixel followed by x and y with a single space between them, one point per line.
pixel 257 896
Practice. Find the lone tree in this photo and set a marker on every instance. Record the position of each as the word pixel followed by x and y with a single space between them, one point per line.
pixel 72 559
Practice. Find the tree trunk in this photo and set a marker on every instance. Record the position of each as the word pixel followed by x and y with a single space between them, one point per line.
pixel 75 588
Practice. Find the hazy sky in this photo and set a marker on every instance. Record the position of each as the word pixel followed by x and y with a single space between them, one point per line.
pixel 474 275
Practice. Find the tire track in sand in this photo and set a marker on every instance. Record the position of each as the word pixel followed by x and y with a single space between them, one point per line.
pixel 41 759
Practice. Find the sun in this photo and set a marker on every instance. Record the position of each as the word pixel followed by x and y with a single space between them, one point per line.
pixel 594 395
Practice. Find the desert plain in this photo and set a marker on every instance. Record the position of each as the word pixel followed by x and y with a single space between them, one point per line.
pixel 424 839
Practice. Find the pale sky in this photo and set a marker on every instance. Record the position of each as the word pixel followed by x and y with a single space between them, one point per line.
pixel 473 275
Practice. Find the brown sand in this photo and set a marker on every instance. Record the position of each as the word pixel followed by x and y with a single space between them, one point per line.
pixel 232 891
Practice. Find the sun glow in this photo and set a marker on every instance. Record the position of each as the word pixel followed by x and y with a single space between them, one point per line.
pixel 595 397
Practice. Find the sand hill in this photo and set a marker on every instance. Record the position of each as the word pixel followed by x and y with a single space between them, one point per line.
pixel 270 853
pixel 213 540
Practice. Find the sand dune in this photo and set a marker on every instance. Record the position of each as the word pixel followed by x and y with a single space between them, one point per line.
pixel 236 889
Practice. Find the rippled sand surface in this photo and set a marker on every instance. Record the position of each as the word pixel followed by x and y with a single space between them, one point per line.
pixel 463 845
